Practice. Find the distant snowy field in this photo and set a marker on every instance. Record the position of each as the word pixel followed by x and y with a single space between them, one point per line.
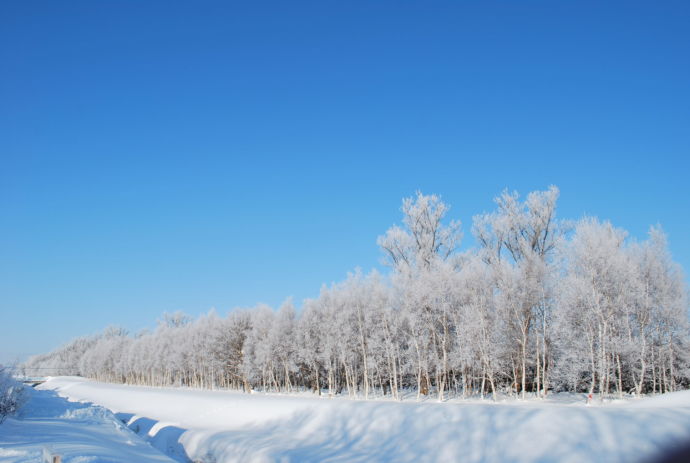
pixel 221 426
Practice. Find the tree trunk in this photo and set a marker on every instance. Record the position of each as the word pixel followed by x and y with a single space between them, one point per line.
pixel 538 370
pixel 620 377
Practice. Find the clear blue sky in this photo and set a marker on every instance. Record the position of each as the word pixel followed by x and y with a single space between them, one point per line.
pixel 162 156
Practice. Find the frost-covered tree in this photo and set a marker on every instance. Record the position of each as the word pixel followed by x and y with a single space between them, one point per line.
pixel 12 394
pixel 423 238
pixel 418 253
pixel 519 240
pixel 658 319
pixel 258 364
pixel 480 339
pixel 284 340
pixel 311 345
pixel 594 295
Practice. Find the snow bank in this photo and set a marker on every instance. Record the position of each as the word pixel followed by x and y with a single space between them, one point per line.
pixel 79 432
pixel 221 426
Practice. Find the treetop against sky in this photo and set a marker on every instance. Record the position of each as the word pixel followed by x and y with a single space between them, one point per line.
pixel 157 157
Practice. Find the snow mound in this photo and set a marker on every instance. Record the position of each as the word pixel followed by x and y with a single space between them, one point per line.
pixel 78 432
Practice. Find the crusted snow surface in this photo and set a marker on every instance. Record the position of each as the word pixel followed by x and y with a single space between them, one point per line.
pixel 223 426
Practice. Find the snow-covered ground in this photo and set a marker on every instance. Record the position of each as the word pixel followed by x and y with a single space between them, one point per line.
pixel 78 432
pixel 221 426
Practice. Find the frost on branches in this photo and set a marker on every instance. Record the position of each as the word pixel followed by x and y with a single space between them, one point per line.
pixel 541 304
pixel 12 394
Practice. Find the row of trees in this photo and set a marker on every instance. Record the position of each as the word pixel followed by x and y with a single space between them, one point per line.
pixel 541 304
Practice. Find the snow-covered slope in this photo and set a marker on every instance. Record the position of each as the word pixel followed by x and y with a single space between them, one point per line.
pixel 219 426
pixel 78 432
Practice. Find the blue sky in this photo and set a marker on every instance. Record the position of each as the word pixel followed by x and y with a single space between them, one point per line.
pixel 162 156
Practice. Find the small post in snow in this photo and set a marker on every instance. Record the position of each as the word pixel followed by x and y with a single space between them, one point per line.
pixel 49 456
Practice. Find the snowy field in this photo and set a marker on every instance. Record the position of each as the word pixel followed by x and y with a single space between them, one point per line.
pixel 221 426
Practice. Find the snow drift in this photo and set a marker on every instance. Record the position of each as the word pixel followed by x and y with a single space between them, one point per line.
pixel 221 426
pixel 78 432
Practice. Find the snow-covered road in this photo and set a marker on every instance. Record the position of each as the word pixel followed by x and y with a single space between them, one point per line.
pixel 221 426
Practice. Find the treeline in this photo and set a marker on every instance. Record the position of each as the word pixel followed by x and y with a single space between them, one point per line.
pixel 540 304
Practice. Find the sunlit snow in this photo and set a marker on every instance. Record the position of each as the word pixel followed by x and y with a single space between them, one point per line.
pixel 222 426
